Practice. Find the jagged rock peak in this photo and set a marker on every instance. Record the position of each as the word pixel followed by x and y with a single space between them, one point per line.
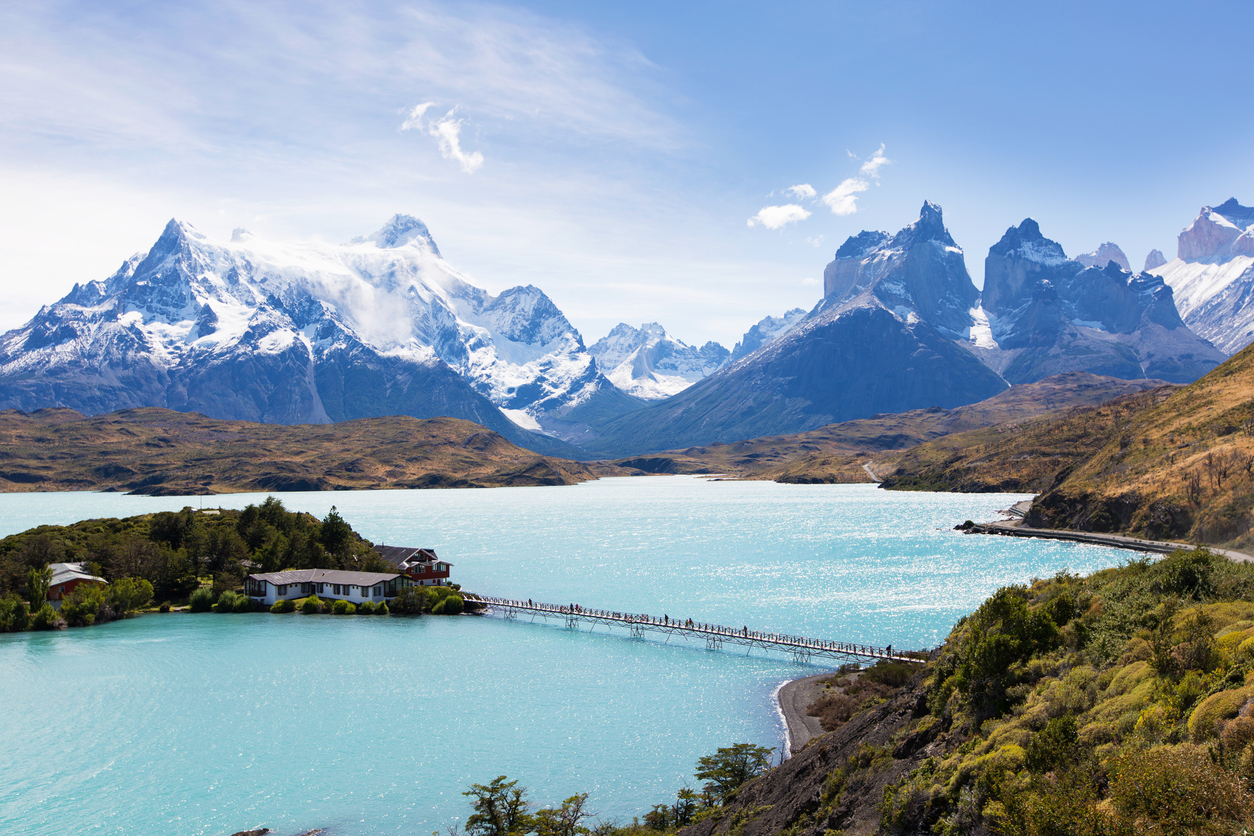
pixel 1239 215
pixel 862 243
pixel 399 231
pixel 1103 255
pixel 1154 260
pixel 1027 240
pixel 929 227
pixel 1219 233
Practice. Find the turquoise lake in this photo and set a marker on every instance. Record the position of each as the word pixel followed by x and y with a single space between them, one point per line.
pixel 209 724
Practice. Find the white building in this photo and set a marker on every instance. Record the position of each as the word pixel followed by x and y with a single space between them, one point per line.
pixel 332 584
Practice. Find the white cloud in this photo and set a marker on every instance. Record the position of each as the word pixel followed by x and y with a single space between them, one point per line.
pixel 802 191
pixel 448 131
pixel 843 199
pixel 816 241
pixel 810 280
pixel 775 217
pixel 414 120
pixel 871 168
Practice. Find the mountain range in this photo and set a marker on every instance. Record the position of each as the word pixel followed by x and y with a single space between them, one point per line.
pixel 314 333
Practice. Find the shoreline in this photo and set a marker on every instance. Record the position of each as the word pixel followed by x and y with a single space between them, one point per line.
pixel 792 697
pixel 1117 541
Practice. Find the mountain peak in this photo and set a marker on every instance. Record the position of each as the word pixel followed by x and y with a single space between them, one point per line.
pixel 1241 216
pixel 399 231
pixel 1103 255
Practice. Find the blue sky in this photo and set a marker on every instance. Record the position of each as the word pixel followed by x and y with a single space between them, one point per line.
pixel 613 154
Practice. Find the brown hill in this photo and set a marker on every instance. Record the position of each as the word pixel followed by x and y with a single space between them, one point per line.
pixel 1182 467
pixel 158 451
pixel 835 453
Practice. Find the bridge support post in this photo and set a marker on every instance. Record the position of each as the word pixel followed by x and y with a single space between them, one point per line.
pixel 572 623
pixel 509 613
pixel 637 631
pixel 712 643
pixel 801 656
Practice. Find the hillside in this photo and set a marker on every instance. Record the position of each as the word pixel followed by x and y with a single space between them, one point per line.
pixel 1119 703
pixel 158 451
pixel 836 453
pixel 1180 468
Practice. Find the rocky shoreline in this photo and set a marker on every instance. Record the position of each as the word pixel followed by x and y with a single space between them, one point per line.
pixel 793 699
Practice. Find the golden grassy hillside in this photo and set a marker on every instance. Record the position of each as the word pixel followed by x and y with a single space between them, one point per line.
pixel 158 451
pixel 1183 467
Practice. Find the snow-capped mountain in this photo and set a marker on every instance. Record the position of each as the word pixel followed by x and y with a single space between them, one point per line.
pixel 1103 255
pixel 766 329
pixel 1213 275
pixel 884 339
pixel 1047 314
pixel 300 332
pixel 650 364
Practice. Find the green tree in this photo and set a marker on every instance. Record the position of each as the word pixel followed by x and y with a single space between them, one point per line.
pixel 500 809
pixel 730 767
pixel 566 820
pixel 38 582
pixel 336 533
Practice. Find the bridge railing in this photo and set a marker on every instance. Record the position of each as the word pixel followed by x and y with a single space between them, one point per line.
pixel 712 631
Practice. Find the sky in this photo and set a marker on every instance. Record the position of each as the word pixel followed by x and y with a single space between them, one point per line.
pixel 695 164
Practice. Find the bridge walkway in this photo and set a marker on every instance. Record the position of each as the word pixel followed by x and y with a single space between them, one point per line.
pixel 803 649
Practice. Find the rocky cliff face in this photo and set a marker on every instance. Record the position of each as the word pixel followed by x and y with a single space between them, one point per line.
pixel 868 347
pixel 919 271
pixel 650 364
pixel 767 329
pixel 1213 275
pixel 300 333
pixel 1155 258
pixel 1048 314
pixel 1103 255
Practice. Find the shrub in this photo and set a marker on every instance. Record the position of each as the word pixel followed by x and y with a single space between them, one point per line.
pixel 45 618
pixel 165 607
pixel 342 607
pixel 1178 789
pixel 226 601
pixel 411 600
pixel 201 600
pixel 366 608
pixel 451 605
pixel 381 608
pixel 129 594
pixel 283 605
pixel 1237 733
pixel 1210 712
pixel 14 614
pixel 243 603
pixel 311 605
pixel 83 606
pixel 895 674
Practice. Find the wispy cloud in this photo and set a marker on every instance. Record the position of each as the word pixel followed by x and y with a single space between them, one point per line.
pixel 816 241
pixel 871 168
pixel 801 191
pixel 843 200
pixel 776 217
pixel 447 131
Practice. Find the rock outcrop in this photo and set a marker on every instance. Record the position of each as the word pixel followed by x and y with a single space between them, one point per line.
pixel 1103 255
pixel 650 364
pixel 1155 258
pixel 1048 314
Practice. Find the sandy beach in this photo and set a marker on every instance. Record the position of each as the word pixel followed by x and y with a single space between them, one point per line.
pixel 793 698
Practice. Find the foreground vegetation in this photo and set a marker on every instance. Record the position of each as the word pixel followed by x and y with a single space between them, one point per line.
pixel 193 558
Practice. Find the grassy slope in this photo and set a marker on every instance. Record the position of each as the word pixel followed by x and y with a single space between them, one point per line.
pixel 835 453
pixel 1120 703
pixel 161 451
pixel 1183 467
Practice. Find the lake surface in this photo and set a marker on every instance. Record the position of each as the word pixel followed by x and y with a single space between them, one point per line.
pixel 208 724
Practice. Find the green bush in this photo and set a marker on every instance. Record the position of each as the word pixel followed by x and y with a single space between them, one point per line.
pixel 283 605
pixel 312 605
pixel 342 607
pixel 366 608
pixel 201 600
pixel 129 594
pixel 84 606
pixel 45 618
pixel 243 603
pixel 451 605
pixel 14 614
pixel 165 607
pixel 411 600
pixel 226 602
pixel 381 608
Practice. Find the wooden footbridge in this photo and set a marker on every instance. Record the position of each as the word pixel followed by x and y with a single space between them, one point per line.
pixel 803 650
